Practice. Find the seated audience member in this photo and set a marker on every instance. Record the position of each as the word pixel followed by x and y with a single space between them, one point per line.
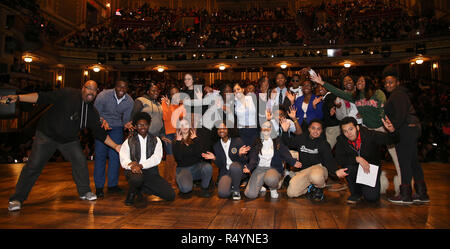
pixel 266 158
pixel 316 161
pixel 230 157
pixel 187 150
pixel 356 146
pixel 140 156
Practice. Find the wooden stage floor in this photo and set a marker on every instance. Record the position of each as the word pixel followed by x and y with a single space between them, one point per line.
pixel 54 203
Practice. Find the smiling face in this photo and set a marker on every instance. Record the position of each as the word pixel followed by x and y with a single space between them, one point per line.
pixel 238 90
pixel 89 91
pixel 153 92
pixel 266 129
pixel 188 81
pixel 349 85
pixel 320 90
pixel 281 80
pixel 222 131
pixel 184 127
pixel 142 127
pixel 295 81
pixel 390 83
pixel 307 87
pixel 121 89
pixel 361 84
pixel 315 130
pixel 264 85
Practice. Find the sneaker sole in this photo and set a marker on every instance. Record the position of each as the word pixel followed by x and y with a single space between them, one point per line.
pixel 401 202
pixel 13 209
pixel 91 199
pixel 236 199
pixel 420 201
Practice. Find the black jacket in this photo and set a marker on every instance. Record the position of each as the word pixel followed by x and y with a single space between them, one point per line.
pixel 311 151
pixel 281 153
pixel 370 147
pixel 68 115
pixel 233 153
pixel 399 109
pixel 328 103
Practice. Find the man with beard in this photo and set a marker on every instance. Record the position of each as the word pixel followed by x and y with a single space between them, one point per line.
pixel 114 107
pixel 58 128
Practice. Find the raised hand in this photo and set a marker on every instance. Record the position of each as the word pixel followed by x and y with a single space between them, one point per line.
pixel 129 126
pixel 285 125
pixel 291 97
pixel 209 156
pixel 316 78
pixel 165 99
pixel 292 112
pixel 199 94
pixel 268 115
pixel 333 111
pixel 243 150
pixel 179 137
pixel 316 101
pixel 341 173
pixel 387 123
pixel 193 133
pixel 245 169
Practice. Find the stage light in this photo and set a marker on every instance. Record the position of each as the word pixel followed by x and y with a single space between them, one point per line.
pixel 59 78
pixel 419 61
pixel 412 63
pixel 108 5
pixel 222 67
pixel 28 59
pixel 435 65
pixel 283 66
pixel 86 72
pixel 160 69
pixel 96 69
pixel 347 65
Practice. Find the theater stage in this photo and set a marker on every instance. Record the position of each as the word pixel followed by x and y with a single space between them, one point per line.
pixel 54 203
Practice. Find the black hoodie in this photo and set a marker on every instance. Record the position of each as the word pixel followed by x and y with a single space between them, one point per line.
pixel 311 151
pixel 399 109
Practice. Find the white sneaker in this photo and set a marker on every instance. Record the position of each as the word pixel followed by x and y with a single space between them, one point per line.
pixel 263 189
pixel 274 194
pixel 14 205
pixel 89 196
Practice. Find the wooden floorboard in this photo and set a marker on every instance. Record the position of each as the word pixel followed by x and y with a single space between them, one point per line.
pixel 54 203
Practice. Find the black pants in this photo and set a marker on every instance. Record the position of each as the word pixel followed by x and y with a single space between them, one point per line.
pixel 150 182
pixel 230 179
pixel 371 194
pixel 407 154
pixel 42 149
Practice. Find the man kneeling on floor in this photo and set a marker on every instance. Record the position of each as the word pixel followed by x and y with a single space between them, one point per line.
pixel 140 156
pixel 359 146
pixel 316 161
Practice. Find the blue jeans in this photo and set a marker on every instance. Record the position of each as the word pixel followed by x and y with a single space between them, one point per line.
pixel 168 146
pixel 101 152
pixel 186 176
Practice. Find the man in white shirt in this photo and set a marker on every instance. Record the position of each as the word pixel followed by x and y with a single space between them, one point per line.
pixel 140 156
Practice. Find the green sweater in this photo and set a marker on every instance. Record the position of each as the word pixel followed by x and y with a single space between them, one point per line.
pixel 371 110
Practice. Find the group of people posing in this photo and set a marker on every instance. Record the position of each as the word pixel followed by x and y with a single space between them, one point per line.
pixel 251 133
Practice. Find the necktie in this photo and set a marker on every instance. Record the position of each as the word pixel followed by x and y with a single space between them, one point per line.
pixel 280 98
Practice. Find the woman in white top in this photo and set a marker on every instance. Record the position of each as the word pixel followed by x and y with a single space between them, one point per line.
pixel 245 110
pixel 266 158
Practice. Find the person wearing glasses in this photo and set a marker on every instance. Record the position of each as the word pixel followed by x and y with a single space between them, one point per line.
pixel 140 156
pixel 114 107
pixel 296 86
pixel 71 111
